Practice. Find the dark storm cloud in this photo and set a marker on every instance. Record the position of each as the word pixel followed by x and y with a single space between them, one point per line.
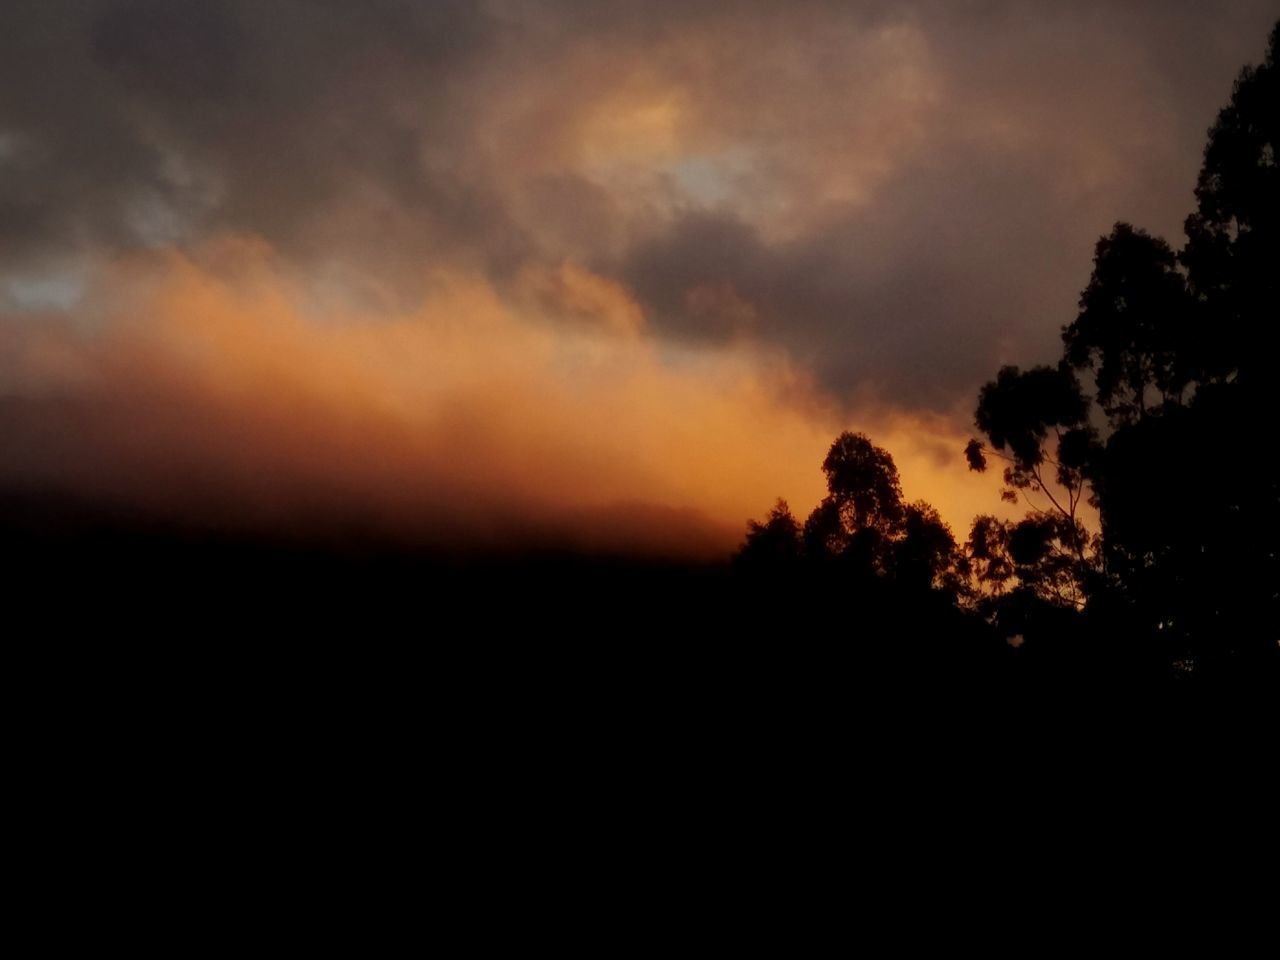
pixel 887 299
pixel 901 194
pixel 1050 126
pixel 147 122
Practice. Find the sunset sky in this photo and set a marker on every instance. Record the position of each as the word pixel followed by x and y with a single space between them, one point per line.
pixel 614 273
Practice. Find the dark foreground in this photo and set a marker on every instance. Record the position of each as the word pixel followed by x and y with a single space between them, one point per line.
pixel 109 602
pixel 287 727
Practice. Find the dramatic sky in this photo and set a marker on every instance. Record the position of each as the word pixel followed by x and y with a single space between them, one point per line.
pixel 613 271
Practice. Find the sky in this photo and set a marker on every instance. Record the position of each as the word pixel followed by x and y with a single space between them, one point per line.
pixel 608 274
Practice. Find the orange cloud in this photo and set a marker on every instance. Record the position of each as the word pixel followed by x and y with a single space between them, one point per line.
pixel 202 386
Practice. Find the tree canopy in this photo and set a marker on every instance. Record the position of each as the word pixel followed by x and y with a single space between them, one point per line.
pixel 1156 415
pixel 1151 537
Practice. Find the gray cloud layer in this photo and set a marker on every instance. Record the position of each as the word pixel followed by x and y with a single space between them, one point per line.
pixel 903 195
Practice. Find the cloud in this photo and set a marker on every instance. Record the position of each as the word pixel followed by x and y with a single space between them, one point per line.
pixel 203 389
pixel 654 251
pixel 899 172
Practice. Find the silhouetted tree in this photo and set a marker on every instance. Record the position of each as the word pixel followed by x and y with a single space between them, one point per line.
pixel 1037 423
pixel 1035 554
pixel 870 569
pixel 772 545
pixel 1155 418
pixel 1179 350
pixel 1133 327
pixel 925 552
pixel 862 480
pixel 824 534
pixel 1233 237
pixel 861 526
pixel 863 506
pixel 858 517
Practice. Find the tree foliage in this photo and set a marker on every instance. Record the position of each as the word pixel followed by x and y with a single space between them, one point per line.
pixel 1151 536
pixel 862 482
pixel 1132 330
pixel 862 526
pixel 1163 434
pixel 773 543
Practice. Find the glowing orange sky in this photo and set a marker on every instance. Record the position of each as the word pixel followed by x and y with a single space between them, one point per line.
pixel 214 371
